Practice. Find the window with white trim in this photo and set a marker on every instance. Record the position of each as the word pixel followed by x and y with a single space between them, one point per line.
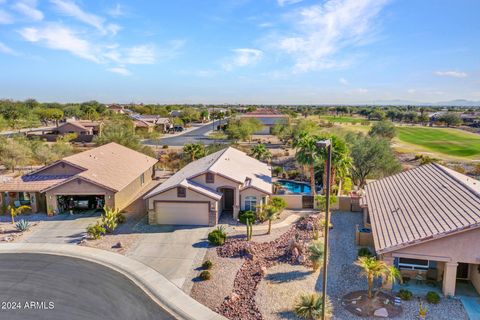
pixel 251 203
pixel 413 264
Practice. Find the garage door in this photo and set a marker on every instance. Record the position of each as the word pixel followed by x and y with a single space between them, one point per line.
pixel 182 213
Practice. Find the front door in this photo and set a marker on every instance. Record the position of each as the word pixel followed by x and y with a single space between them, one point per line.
pixel 462 270
pixel 228 199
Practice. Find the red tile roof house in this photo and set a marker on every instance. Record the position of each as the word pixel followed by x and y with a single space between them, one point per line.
pixel 225 181
pixel 426 221
pixel 110 175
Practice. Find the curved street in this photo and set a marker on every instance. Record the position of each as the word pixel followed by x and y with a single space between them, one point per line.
pixel 49 287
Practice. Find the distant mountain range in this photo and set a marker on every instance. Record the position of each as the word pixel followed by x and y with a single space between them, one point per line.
pixel 451 103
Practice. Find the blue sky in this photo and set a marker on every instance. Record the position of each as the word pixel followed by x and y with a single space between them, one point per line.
pixel 240 51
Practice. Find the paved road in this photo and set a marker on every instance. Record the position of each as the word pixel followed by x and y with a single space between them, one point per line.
pixel 77 288
pixel 14 132
pixel 194 136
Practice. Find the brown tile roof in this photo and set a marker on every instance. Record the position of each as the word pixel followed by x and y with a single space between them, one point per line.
pixel 427 202
pixel 32 183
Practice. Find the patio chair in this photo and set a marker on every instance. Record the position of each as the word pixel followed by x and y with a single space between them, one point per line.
pixel 420 277
pixel 432 276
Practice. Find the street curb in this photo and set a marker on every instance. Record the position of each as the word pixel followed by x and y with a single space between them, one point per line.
pixel 166 294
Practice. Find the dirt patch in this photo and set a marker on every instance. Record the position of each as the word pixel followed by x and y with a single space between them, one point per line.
pixel 9 232
pixel 358 303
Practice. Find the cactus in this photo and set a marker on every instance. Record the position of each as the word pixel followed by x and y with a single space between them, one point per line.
pixel 249 230
pixel 22 225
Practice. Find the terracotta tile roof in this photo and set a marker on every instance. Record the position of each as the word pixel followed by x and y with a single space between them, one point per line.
pixel 32 183
pixel 427 202
pixel 230 163
pixel 111 165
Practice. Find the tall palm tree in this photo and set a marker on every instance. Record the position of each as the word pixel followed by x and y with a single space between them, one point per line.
pixel 307 153
pixel 373 268
pixel 341 160
pixel 16 211
pixel 194 151
pixel 260 152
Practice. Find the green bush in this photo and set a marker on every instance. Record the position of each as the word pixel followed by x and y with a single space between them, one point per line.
pixel 205 275
pixel 364 252
pixel 165 146
pixel 316 253
pixel 121 218
pixel 405 294
pixel 278 203
pixel 109 219
pixel 310 306
pixel 207 265
pixel 244 215
pixel 432 297
pixel 96 231
pixel 217 237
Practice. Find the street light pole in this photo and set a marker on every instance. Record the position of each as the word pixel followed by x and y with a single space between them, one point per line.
pixel 326 144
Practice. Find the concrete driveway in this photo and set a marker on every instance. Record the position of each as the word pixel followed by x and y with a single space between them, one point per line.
pixel 171 250
pixel 63 228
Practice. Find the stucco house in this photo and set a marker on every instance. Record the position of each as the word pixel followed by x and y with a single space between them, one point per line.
pixel 85 131
pixel 110 175
pixel 226 181
pixel 426 222
pixel 268 117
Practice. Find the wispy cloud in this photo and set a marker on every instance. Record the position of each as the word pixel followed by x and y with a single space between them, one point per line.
pixel 282 3
pixel 453 74
pixel 29 9
pixel 120 70
pixel 71 9
pixel 243 57
pixel 144 54
pixel 5 17
pixel 343 81
pixel 6 49
pixel 60 38
pixel 324 30
pixel 117 11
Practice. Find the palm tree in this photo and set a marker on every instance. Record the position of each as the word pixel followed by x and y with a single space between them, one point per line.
pixel 271 213
pixel 341 160
pixel 16 211
pixel 307 153
pixel 194 151
pixel 373 268
pixel 309 306
pixel 260 152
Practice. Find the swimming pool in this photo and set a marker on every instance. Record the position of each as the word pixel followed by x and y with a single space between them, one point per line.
pixel 294 186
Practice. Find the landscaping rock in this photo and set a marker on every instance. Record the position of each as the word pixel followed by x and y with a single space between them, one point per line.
pixel 301 259
pixel 117 245
pixel 381 313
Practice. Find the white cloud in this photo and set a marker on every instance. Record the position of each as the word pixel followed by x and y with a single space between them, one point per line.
pixel 6 49
pixel 243 57
pixel 116 11
pixel 343 81
pixel 5 17
pixel 60 38
pixel 28 9
pixel 144 54
pixel 323 30
pixel 282 3
pixel 70 8
pixel 120 70
pixel 453 74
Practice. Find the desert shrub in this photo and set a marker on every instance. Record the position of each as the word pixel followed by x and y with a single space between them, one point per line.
pixel 248 214
pixel 22 225
pixel 121 218
pixel 164 146
pixel 316 253
pixel 217 237
pixel 432 297
pixel 207 265
pixel 310 305
pixel 96 230
pixel 205 275
pixel 364 252
pixel 109 219
pixel 293 174
pixel 405 294
pixel 278 203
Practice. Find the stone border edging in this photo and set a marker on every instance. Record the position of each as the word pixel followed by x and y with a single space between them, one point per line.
pixel 166 294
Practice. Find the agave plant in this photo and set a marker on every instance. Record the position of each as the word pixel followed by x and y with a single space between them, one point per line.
pixel 22 225
pixel 316 253
pixel 309 306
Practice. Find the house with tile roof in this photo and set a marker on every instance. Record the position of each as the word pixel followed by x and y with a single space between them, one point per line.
pixel 110 175
pixel 226 181
pixel 426 221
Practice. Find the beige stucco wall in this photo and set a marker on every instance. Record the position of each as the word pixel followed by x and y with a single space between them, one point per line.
pixel 130 193
pixel 251 192
pixel 294 201
pixel 74 188
pixel 60 168
pixel 171 195
pixel 68 127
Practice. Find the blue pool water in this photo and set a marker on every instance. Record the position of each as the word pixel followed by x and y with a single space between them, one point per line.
pixel 295 187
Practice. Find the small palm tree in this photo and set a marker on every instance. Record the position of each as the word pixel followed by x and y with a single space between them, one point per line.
pixel 373 268
pixel 317 254
pixel 260 152
pixel 309 306
pixel 16 211
pixel 271 213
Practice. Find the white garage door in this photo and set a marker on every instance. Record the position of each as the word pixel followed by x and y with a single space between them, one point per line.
pixel 182 213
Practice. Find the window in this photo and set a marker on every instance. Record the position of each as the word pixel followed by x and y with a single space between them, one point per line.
pixel 413 264
pixel 24 198
pixel 210 177
pixel 142 179
pixel 251 203
pixel 181 192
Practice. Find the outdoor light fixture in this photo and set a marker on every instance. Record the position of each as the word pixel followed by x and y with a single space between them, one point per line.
pixel 326 144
